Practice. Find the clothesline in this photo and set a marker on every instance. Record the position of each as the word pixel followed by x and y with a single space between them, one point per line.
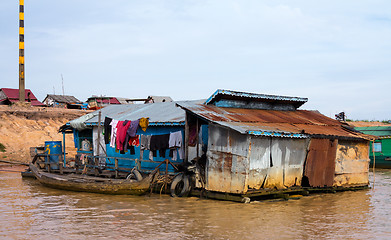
pixel 121 135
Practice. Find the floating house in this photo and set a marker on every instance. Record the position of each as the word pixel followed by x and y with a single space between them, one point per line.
pixel 380 149
pixel 248 142
pixel 62 101
pixel 10 95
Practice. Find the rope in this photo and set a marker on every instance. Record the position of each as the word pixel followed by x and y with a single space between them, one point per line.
pixel 164 180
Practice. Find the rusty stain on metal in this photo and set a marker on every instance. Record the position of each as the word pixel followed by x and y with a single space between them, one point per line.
pixel 298 121
pixel 238 162
pixel 320 162
pixel 227 160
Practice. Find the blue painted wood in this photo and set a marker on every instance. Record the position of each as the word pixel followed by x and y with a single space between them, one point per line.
pixel 146 166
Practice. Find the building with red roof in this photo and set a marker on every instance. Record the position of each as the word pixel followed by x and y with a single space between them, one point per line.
pixel 10 95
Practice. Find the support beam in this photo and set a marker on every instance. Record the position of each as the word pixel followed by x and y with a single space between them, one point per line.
pixel 63 146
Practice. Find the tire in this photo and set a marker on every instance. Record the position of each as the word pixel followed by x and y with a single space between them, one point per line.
pixel 135 174
pixel 180 186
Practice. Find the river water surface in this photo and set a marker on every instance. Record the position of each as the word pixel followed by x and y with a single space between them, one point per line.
pixel 31 211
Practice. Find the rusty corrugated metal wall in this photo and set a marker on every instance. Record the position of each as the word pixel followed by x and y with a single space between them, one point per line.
pixel 238 162
pixel 227 163
pixel 259 162
pixel 276 162
pixel 293 153
pixel 320 162
pixel 352 163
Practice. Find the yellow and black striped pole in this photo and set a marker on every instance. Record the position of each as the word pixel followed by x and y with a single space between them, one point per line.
pixel 21 51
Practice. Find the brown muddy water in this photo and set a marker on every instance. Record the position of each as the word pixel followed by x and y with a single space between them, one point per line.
pixel 31 211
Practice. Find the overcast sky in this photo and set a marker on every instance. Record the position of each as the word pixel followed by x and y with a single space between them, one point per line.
pixel 335 53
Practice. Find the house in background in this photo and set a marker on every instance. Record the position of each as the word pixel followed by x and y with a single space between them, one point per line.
pixel 98 102
pixel 157 99
pixel 380 149
pixel 62 101
pixel 10 95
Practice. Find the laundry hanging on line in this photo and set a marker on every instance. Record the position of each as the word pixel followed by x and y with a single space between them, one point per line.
pixel 110 131
pixel 123 137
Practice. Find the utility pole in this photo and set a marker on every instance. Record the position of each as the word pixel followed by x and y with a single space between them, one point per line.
pixel 62 80
pixel 21 52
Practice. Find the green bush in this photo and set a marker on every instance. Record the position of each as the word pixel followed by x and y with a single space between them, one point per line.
pixel 2 148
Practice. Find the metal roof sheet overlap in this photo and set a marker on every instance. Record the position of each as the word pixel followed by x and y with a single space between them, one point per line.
pixel 63 98
pixel 221 93
pixel 298 123
pixel 165 113
pixel 379 131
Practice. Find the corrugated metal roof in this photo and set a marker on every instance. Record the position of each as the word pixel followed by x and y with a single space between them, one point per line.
pixel 380 131
pixel 124 100
pixel 221 93
pixel 14 93
pixel 13 96
pixel 104 100
pixel 298 123
pixel 157 99
pixel 166 113
pixel 63 98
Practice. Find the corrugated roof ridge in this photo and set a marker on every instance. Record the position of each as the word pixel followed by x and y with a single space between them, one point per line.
pixel 254 95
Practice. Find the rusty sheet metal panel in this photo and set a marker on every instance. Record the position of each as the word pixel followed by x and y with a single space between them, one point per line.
pixel 276 162
pixel 227 164
pixel 352 163
pixel 275 176
pixel 287 158
pixel 320 162
pixel 226 140
pixel 296 152
pixel 259 162
pixel 214 113
pixel 226 172
pixel 247 120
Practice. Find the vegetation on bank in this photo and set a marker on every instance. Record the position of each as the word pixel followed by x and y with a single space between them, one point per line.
pixel 2 147
pixel 383 121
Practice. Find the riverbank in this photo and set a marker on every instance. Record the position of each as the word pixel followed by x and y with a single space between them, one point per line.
pixel 22 127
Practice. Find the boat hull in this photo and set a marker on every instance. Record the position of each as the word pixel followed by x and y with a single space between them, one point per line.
pixel 82 183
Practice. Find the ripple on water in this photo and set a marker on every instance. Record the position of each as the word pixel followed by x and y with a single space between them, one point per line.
pixel 29 210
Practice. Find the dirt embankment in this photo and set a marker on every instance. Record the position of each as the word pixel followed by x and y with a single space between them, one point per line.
pixel 24 127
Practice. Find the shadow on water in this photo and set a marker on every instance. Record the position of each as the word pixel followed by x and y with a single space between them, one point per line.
pixel 30 210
